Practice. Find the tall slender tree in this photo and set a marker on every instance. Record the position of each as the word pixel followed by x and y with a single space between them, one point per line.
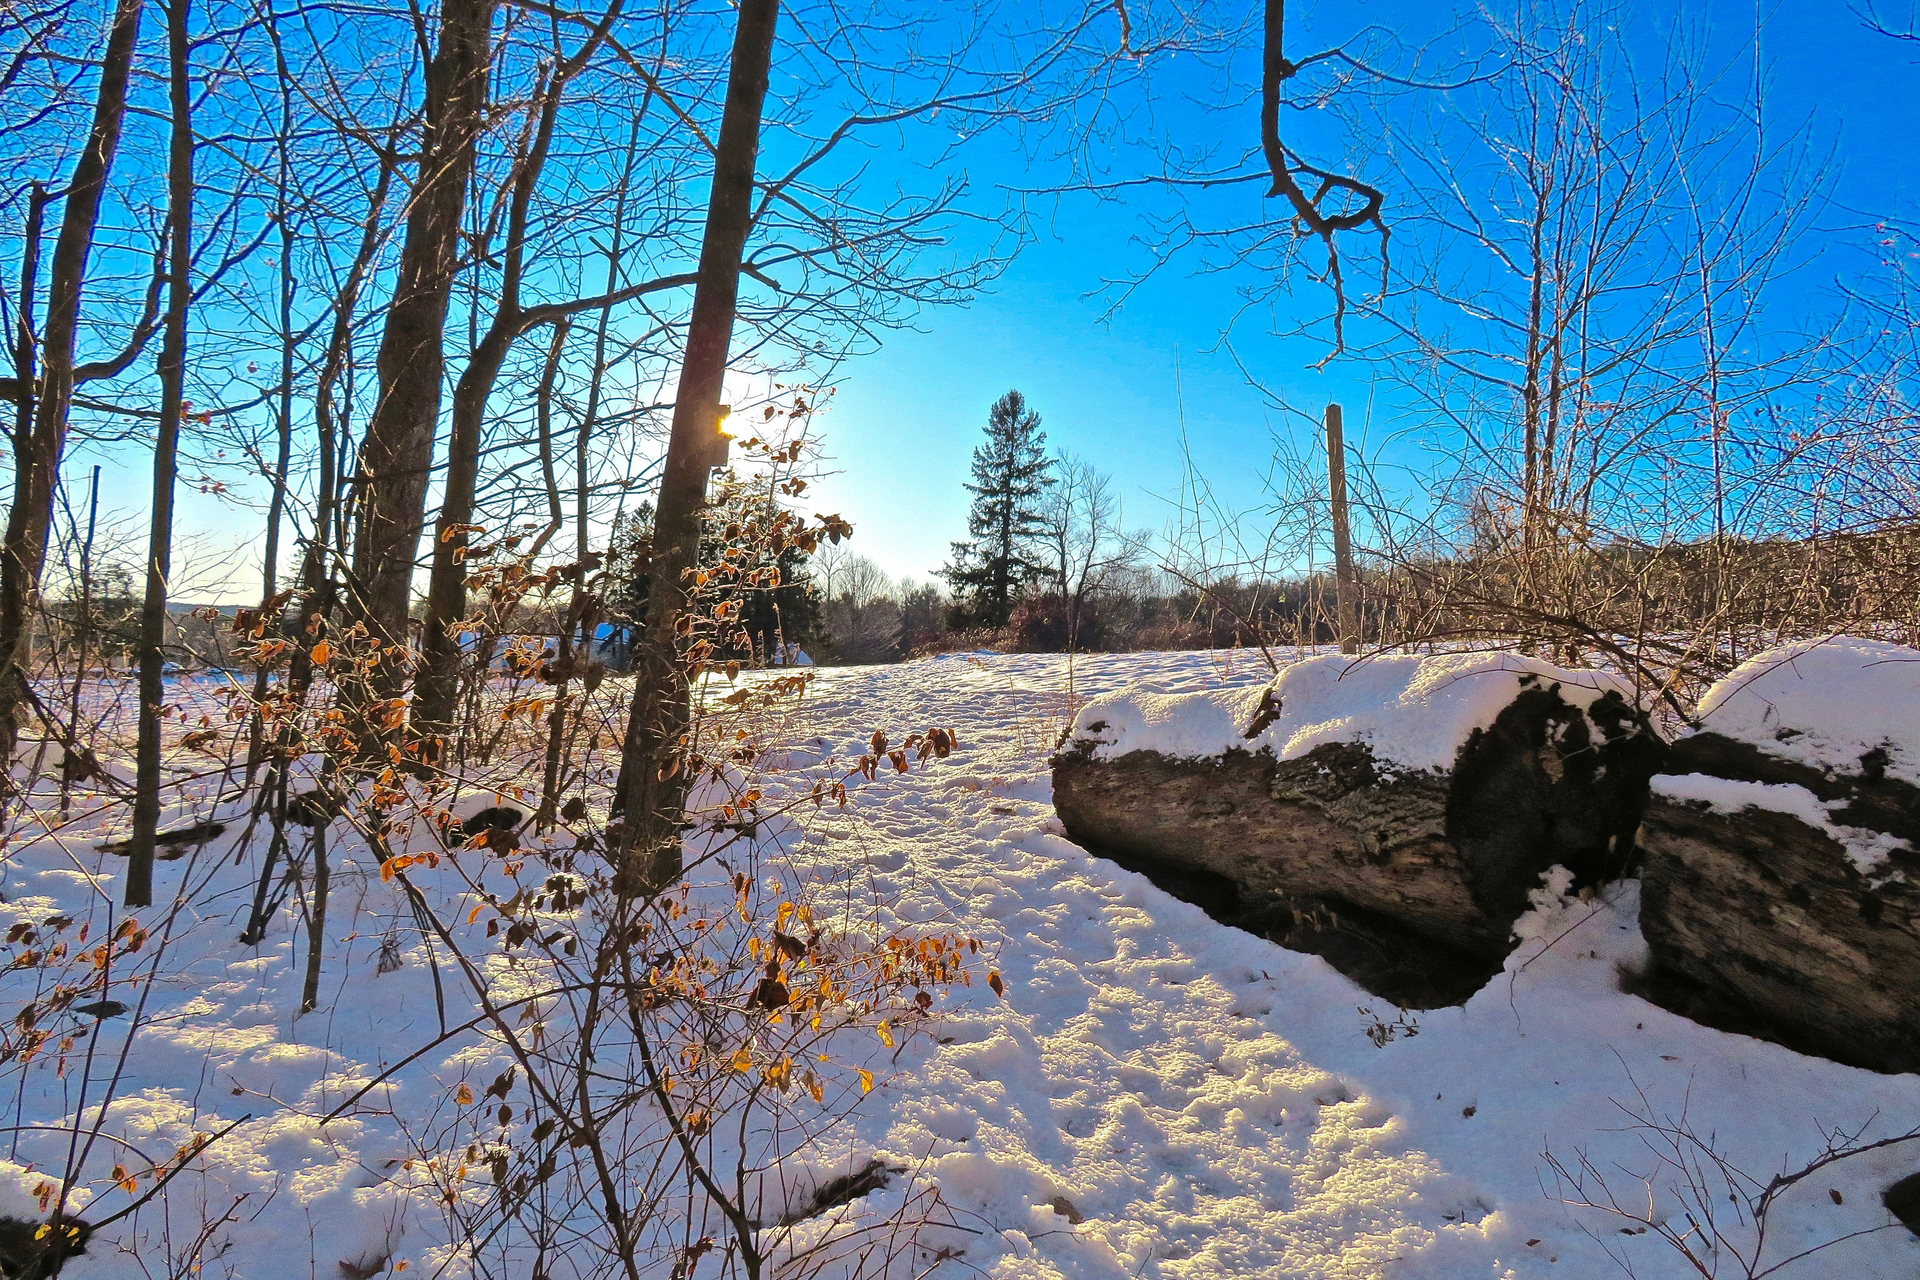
pixel 652 785
pixel 30 519
pixel 436 689
pixel 1011 472
pixel 173 375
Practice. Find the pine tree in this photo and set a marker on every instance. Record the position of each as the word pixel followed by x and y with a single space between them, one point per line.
pixel 1010 472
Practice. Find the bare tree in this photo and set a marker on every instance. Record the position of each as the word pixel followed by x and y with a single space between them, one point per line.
pixel 391 477
pixel 652 787
pixel 1084 537
pixel 173 372
pixel 1599 241
pixel 446 595
pixel 860 612
pixel 23 555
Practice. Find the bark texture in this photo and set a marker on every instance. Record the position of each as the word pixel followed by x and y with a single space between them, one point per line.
pixel 1760 923
pixel 1324 826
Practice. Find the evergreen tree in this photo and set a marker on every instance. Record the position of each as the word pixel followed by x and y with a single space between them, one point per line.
pixel 787 613
pixel 1010 472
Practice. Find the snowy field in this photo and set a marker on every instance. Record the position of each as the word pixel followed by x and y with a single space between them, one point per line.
pixel 1156 1095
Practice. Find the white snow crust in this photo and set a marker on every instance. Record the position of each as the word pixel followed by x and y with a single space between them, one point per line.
pixel 1824 703
pixel 1866 849
pixel 1414 710
pixel 1210 1103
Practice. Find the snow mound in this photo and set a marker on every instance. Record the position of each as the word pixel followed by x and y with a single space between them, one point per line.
pixel 1414 710
pixel 1824 703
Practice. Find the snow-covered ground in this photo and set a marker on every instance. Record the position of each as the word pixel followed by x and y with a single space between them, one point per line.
pixel 1205 1103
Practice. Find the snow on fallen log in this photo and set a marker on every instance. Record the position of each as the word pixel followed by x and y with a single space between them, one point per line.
pixel 1780 892
pixel 1417 795
pixel 1844 705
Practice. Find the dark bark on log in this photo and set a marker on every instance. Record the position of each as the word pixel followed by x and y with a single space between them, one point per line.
pixel 1323 826
pixel 1872 799
pixel 1311 854
pixel 1547 783
pixel 1761 924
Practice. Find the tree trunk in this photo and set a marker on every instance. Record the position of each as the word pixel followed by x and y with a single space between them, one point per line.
pixel 24 353
pixel 1760 923
pixel 652 786
pixel 329 428
pixel 563 658
pixel 1448 856
pixel 24 552
pixel 173 375
pixel 316 923
pixel 437 689
pixel 283 454
pixel 438 683
pixel 71 761
pixel 396 455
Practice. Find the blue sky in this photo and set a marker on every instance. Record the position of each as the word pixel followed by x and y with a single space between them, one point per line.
pixel 907 417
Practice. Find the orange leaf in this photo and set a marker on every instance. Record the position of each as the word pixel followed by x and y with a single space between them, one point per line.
pixel 322 652
pixel 866 1080
pixel 463 1095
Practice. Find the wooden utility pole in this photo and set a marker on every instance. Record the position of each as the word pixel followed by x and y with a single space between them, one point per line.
pixel 1346 587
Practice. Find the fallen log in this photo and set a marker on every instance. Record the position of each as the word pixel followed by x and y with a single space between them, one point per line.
pixel 1761 922
pixel 1389 850
pixel 1781 892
